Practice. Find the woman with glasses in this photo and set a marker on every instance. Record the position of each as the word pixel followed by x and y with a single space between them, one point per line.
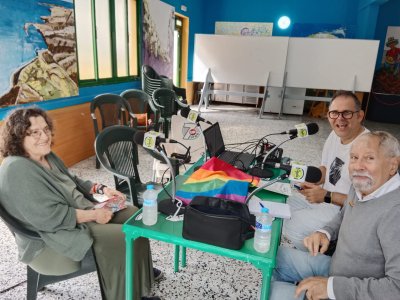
pixel 38 190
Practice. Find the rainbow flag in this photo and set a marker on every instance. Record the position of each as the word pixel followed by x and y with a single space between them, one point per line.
pixel 217 178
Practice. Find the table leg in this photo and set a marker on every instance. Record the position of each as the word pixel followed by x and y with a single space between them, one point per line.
pixel 130 253
pixel 266 282
pixel 183 262
pixel 176 258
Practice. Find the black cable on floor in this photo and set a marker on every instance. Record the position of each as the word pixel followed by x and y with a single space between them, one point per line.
pixel 12 287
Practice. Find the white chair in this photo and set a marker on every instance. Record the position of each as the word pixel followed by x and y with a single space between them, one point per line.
pixel 187 133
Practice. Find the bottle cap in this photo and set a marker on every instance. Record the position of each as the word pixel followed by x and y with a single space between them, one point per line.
pixel 264 210
pixel 150 187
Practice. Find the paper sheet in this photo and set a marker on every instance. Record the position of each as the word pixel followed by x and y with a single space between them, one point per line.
pixel 283 188
pixel 277 210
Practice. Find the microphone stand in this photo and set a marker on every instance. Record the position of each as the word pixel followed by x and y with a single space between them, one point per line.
pixel 204 141
pixel 274 148
pixel 168 206
pixel 268 183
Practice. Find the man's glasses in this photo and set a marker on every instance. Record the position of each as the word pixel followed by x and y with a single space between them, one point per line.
pixel 347 114
pixel 37 133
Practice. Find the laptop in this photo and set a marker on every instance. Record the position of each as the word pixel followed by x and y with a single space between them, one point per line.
pixel 216 147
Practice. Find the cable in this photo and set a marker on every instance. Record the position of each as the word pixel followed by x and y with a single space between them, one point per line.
pixel 180 163
pixel 273 149
pixel 12 287
pixel 251 147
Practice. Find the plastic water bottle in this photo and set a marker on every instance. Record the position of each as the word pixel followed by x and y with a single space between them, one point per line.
pixel 150 206
pixel 262 236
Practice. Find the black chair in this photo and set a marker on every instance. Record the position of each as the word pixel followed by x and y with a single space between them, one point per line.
pixel 36 281
pixel 118 154
pixel 141 103
pixel 151 81
pixel 113 110
pixel 165 101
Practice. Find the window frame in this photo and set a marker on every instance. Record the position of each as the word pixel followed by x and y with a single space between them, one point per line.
pixel 114 79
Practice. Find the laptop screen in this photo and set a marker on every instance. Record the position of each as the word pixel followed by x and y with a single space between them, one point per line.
pixel 214 141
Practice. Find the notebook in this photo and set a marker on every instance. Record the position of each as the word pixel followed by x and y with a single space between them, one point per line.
pixel 216 147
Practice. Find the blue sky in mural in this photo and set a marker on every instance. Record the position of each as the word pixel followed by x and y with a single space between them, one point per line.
pixel 18 47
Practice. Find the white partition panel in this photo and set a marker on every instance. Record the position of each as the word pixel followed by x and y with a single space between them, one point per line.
pixel 240 59
pixel 331 63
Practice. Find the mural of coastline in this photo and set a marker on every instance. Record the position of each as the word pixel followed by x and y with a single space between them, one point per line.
pixel 387 77
pixel 243 28
pixel 158 36
pixel 37 51
pixel 326 31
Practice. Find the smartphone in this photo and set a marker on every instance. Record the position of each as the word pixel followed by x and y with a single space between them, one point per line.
pixel 298 187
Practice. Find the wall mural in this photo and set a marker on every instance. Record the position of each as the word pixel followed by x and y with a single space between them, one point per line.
pixel 387 77
pixel 158 36
pixel 244 28
pixel 325 31
pixel 37 51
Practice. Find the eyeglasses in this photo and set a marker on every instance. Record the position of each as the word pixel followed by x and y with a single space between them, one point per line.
pixel 347 114
pixel 37 133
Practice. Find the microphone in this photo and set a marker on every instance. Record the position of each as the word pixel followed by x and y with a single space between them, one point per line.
pixel 312 174
pixel 185 113
pixel 312 128
pixel 139 139
pixel 172 206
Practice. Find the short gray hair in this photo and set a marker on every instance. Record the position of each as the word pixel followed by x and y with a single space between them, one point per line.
pixel 387 142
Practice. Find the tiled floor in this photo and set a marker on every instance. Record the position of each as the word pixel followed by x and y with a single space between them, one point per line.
pixel 206 276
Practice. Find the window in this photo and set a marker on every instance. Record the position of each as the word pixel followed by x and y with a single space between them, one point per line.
pixel 177 51
pixel 106 34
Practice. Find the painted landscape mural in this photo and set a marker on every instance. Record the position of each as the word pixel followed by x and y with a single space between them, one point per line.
pixel 158 36
pixel 37 51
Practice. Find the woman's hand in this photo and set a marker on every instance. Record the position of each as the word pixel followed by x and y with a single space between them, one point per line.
pixel 102 215
pixel 98 215
pixel 109 192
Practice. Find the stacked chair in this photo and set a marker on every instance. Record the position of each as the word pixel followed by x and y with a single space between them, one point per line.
pixel 151 81
pixel 167 104
pixel 142 107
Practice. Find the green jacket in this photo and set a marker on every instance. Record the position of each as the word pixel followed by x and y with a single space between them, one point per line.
pixel 33 195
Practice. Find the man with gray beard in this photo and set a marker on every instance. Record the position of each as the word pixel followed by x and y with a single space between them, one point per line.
pixel 366 263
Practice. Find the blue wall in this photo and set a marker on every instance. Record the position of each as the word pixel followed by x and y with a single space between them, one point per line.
pixel 305 11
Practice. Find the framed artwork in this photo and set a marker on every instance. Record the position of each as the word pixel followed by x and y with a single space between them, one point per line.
pixel 158 36
pixel 244 28
pixel 37 51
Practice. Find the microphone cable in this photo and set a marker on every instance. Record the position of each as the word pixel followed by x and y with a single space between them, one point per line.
pixel 251 147
pixel 274 148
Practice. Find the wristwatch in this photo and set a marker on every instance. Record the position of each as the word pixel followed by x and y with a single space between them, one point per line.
pixel 328 197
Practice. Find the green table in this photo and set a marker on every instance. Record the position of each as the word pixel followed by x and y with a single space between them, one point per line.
pixel 171 232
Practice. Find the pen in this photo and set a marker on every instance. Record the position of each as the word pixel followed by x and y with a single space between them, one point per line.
pixel 262 206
